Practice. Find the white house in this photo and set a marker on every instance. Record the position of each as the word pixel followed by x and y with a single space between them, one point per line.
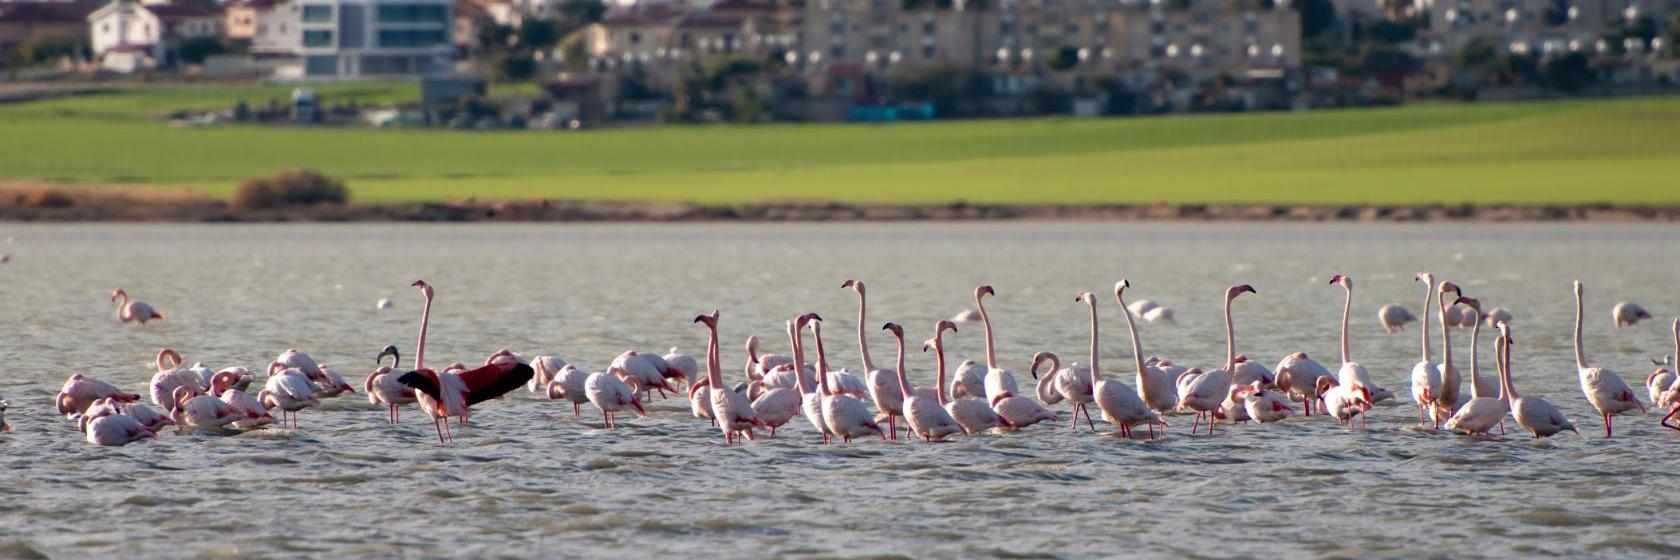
pixel 128 36
pixel 349 39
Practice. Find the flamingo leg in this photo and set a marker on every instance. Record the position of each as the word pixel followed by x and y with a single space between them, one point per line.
pixel 577 410
pixel 772 432
pixel 1088 421
pixel 1196 423
pixel 1502 426
pixel 1306 405
pixel 439 428
pixel 892 426
pixel 1671 414
pixel 1151 430
pixel 1607 424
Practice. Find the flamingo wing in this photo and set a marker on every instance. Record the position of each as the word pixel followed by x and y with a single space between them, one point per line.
pixel 493 381
pixel 424 381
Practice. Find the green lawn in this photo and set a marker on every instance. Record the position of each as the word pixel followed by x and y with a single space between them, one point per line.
pixel 1621 151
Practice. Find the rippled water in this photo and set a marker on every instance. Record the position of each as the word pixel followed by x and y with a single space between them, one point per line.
pixel 528 479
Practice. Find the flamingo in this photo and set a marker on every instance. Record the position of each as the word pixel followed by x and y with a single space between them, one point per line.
pixel 1628 314
pixel 1208 390
pixel 924 416
pixel 1496 316
pixel 149 417
pixel 1426 376
pixel 1604 389
pixel 1248 372
pixel 1120 405
pixel 446 394
pixel 301 361
pixel 251 413
pixel 1663 384
pixel 1448 397
pixel 1265 406
pixel 608 392
pixel 4 426
pixel 1535 414
pixel 289 390
pixel 1072 383
pixel 811 400
pixel 114 430
pixel 382 387
pixel 1484 409
pixel 844 415
pixel 999 383
pixel 763 363
pixel 882 383
pixel 680 366
pixel 239 376
pixel 969 381
pixel 1297 377
pixel 132 310
pixel 543 370
pixel 201 412
pixel 966 316
pixel 1141 307
pixel 1394 317
pixel 1353 378
pixel 641 372
pixel 570 384
pixel 169 376
pixel 1158 314
pixel 80 391
pixel 971 413
pixel 331 384
pixel 775 406
pixel 1154 382
pixel 732 411
pixel 199 376
pixel 1341 402
pixel 1479 386
pixel 1232 409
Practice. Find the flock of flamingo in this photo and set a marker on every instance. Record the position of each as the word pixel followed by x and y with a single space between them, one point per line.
pixel 976 398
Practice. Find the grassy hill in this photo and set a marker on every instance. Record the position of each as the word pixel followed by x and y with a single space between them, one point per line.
pixel 1620 151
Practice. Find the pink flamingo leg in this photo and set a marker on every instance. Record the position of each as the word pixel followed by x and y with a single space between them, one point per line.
pixel 1667 419
pixel 1607 428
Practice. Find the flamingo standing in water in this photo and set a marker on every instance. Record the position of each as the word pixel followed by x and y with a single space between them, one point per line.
pixel 924 416
pixel 608 392
pixel 776 406
pixel 1604 389
pixel 811 398
pixel 80 391
pixel 201 412
pixel 1340 402
pixel 1394 317
pixel 844 415
pixel 131 310
pixel 544 369
pixel 883 383
pixel 1480 386
pixel 289 390
pixel 570 384
pixel 1426 376
pixel 969 381
pixel 970 413
pixel 999 382
pixel 732 411
pixel 1447 400
pixel 1352 377
pixel 442 395
pixel 1120 405
pixel 1664 386
pixel 382 387
pixel 1535 414
pixel 1071 383
pixel 1154 384
pixel 1297 376
pixel 1484 410
pixel 252 412
pixel 115 429
pixel 169 375
pixel 1627 314
pixel 1209 390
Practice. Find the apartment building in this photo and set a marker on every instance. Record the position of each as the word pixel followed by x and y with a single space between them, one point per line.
pixel 347 39
pixel 1543 27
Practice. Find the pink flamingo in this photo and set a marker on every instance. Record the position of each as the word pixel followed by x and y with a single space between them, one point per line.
pixel 446 394
pixel 132 311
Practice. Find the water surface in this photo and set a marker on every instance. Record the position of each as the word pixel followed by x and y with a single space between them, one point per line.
pixel 529 479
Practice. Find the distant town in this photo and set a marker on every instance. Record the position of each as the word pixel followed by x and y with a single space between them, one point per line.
pixel 588 63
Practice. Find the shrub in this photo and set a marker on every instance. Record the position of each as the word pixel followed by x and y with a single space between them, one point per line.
pixel 46 198
pixel 290 188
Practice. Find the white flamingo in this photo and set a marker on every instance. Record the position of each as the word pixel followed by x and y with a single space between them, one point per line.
pixel 1120 404
pixel 732 411
pixel 80 391
pixel 1604 389
pixel 1394 317
pixel 169 376
pixel 115 429
pixel 1297 377
pixel 1072 384
pixel 810 399
pixel 1627 314
pixel 1535 414
pixel 1480 386
pixel 382 387
pixel 1340 402
pixel 1426 375
pixel 763 363
pixel 1155 383
pixel 681 366
pixel 289 390
pixel 882 383
pixel 544 369
pixel 999 382
pixel 1264 406
pixel 845 416
pixel 1661 384
pixel 608 392
pixel 132 310
pixel 971 413
pixel 201 412
pixel 251 413
pixel 969 381
pixel 924 416
pixel 1353 379
pixel 1496 316
pixel 1207 391
pixel 1483 411
pixel 570 384
pixel 1448 398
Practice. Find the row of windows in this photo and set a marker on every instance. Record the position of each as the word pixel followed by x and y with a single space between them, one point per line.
pixel 413 13
pixel 317 38
pixel 407 38
pixel 317 13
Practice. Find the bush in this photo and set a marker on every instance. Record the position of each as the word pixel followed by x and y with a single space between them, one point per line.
pixel 45 198
pixel 290 188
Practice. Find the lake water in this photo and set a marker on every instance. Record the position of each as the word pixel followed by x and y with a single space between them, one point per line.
pixel 529 479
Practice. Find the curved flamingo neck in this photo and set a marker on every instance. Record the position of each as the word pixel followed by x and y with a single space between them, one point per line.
pixel 425 321
pixel 1676 363
pixel 1131 327
pixel 1581 354
pixel 752 350
pixel 1428 302
pixel 1096 370
pixel 1347 309
pixel 797 337
pixel 1507 392
pixel 863 341
pixel 903 379
pixel 939 360
pixel 1446 335
pixel 714 375
pixel 986 322
pixel 822 361
pixel 1230 336
pixel 1475 368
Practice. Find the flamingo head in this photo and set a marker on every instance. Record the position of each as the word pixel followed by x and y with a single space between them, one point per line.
pixel 1055 362
pixel 1342 279
pixel 855 285
pixel 1469 302
pixel 1238 290
pixel 710 319
pixel 984 291
pixel 276 366
pixel 1087 298
pixel 897 331
pixel 1324 384
pixel 942 326
pixel 1425 277
pixel 425 289
pixel 1451 287
pixel 222 381
pixel 800 321
pixel 1120 287
pixel 389 350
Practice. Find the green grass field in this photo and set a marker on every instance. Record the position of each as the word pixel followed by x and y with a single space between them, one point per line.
pixel 1621 151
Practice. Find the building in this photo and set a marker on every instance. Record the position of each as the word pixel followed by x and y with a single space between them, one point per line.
pixel 1543 27
pixel 128 36
pixel 22 22
pixel 351 39
pixel 244 18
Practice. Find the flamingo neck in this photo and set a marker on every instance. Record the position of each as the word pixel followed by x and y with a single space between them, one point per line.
pixel 714 375
pixel 1581 354
pixel 1230 338
pixel 752 350
pixel 903 378
pixel 822 361
pixel 1507 391
pixel 1475 368
pixel 1676 363
pixel 797 337
pixel 1131 327
pixel 1446 337
pixel 425 320
pixel 1347 308
pixel 939 360
pixel 1096 370
pixel 1423 336
pixel 986 323
pixel 863 341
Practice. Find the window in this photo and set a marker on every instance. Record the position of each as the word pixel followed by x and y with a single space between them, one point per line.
pixel 838 52
pixel 929 52
pixel 412 13
pixel 317 13
pixel 635 38
pixel 399 38
pixel 927 27
pixel 318 38
pixel 104 28
pixel 320 65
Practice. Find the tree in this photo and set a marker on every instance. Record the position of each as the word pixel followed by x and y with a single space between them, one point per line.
pixel 1479 53
pixel 1317 16
pixel 1674 35
pixel 538 34
pixel 1066 57
pixel 47 48
pixel 1392 32
pixel 584 12
pixel 196 49
pixel 1570 73
pixel 516 67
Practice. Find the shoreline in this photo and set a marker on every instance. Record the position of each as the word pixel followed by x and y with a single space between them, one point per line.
pixel 164 207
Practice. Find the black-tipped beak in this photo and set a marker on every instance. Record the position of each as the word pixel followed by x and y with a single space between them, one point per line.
pixel 390 350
